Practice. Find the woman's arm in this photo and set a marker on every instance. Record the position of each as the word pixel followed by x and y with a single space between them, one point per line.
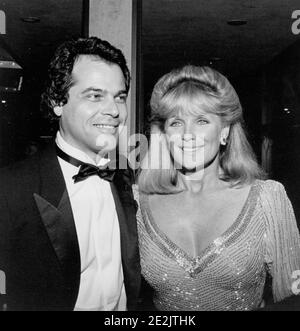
pixel 282 240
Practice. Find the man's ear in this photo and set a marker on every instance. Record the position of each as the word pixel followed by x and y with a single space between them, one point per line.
pixel 58 110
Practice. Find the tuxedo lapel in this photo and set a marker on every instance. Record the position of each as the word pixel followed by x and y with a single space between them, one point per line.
pixel 56 213
pixel 126 210
pixel 51 218
pixel 52 181
pixel 124 228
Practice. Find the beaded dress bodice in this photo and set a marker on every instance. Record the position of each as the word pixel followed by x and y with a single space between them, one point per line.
pixel 230 273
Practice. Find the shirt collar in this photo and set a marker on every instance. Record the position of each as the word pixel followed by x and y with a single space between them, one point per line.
pixel 77 153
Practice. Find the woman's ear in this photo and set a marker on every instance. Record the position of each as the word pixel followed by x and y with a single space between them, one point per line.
pixel 224 135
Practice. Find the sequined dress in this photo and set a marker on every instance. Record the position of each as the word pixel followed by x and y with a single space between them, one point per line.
pixel 230 273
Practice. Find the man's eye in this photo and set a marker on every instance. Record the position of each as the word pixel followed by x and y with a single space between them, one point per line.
pixel 121 98
pixel 94 97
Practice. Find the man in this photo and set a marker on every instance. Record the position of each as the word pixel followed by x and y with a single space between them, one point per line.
pixel 68 237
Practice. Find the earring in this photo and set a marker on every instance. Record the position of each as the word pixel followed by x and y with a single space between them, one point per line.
pixel 223 141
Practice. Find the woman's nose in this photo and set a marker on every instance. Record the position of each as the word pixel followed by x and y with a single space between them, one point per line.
pixel 188 137
pixel 188 133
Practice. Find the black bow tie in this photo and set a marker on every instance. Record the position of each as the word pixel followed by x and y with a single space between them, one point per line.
pixel 86 170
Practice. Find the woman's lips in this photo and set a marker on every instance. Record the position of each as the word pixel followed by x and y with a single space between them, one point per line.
pixel 189 149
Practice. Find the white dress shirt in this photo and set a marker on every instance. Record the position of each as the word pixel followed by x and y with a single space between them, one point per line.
pixel 102 282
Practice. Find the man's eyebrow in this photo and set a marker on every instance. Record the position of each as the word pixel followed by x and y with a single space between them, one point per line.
pixel 121 92
pixel 98 90
pixel 92 89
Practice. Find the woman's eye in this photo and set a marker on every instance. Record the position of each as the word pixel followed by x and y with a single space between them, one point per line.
pixel 175 124
pixel 202 121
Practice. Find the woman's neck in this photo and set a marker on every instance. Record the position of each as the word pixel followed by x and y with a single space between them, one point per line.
pixel 204 180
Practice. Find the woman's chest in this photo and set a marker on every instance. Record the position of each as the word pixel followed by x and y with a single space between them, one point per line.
pixel 194 224
pixel 234 266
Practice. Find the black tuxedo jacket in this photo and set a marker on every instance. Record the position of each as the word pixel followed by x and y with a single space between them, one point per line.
pixel 39 251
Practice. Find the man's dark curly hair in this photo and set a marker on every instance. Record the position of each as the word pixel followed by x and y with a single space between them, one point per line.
pixel 60 78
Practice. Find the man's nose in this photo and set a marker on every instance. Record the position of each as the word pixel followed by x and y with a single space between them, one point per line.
pixel 111 108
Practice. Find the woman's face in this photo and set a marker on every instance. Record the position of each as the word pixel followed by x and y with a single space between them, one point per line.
pixel 194 140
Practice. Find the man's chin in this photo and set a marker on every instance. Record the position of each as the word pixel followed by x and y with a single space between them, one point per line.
pixel 106 143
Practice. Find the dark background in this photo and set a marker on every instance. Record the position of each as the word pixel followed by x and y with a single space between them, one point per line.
pixel 260 56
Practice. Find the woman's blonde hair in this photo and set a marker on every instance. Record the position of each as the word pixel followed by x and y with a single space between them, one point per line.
pixel 194 88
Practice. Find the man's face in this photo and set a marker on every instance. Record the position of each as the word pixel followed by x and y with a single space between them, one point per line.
pixel 96 108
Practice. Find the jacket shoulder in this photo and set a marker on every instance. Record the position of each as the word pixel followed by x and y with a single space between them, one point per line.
pixel 19 171
pixel 24 176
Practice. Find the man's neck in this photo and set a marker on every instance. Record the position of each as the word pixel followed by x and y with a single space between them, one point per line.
pixel 84 156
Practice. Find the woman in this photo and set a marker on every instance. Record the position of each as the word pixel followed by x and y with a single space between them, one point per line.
pixel 210 227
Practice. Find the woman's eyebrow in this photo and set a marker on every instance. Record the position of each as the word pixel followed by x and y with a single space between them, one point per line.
pixel 175 118
pixel 201 115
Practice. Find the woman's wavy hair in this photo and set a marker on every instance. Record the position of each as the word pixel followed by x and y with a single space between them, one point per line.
pixel 193 89
pixel 60 80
